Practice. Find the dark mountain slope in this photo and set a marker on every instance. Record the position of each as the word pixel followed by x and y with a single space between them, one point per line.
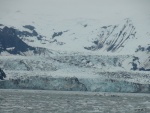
pixel 10 42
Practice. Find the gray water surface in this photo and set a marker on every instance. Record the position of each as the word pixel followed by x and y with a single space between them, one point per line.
pixel 41 101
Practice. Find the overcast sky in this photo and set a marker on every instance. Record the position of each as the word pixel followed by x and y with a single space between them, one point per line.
pixel 78 8
pixel 108 10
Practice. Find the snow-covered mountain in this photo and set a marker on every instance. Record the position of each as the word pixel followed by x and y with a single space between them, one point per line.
pixel 82 52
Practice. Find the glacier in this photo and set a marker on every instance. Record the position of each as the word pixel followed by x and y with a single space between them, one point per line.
pixel 73 73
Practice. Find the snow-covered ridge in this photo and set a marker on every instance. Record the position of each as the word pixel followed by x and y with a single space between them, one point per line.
pixel 122 38
pixel 109 38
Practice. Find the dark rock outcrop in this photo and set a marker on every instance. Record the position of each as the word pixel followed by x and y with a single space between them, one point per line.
pixel 2 74
pixel 57 34
pixel 10 42
pixel 113 37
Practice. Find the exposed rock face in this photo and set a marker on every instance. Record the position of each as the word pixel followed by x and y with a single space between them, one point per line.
pixel 57 34
pixel 10 42
pixel 114 37
pixel 142 62
pixel 143 49
pixel 2 74
pixel 29 27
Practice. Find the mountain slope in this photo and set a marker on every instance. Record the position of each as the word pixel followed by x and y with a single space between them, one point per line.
pixel 86 37
pixel 113 38
pixel 11 43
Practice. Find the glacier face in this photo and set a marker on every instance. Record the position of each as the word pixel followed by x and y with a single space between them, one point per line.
pixel 74 84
